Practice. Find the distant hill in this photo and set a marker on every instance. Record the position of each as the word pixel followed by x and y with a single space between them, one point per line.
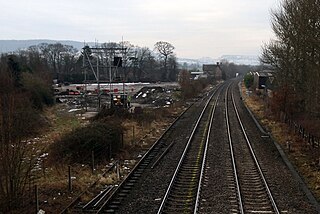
pixel 241 59
pixel 236 59
pixel 7 46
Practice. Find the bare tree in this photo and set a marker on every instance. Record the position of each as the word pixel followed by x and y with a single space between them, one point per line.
pixel 17 120
pixel 165 49
pixel 295 53
pixel 60 58
pixel 140 60
pixel 172 68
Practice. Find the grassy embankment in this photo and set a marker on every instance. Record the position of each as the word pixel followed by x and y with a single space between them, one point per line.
pixel 303 156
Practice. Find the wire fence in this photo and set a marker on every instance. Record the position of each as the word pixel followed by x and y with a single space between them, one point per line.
pixel 311 139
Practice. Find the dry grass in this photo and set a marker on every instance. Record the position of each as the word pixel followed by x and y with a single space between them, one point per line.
pixel 303 156
pixel 52 178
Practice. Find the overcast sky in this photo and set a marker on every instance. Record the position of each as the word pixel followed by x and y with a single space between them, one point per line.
pixel 197 28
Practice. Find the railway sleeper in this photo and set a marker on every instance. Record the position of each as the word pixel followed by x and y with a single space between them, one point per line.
pixel 132 180
pixel 257 200
pixel 186 182
pixel 113 206
pixel 260 211
pixel 179 196
pixel 254 187
pixel 261 194
pixel 250 181
pixel 126 187
pixel 188 174
pixel 253 178
pixel 180 205
pixel 190 197
pixel 251 173
pixel 190 168
pixel 249 189
pixel 109 211
pixel 121 195
pixel 137 174
pixel 144 165
pixel 129 183
pixel 119 198
pixel 115 202
pixel 188 177
pixel 184 188
pixel 234 211
pixel 139 169
pixel 177 208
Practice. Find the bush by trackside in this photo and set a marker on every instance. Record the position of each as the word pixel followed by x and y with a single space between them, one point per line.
pixel 248 80
pixel 102 138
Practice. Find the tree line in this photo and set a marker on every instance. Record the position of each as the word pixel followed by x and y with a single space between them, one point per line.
pixel 65 63
pixel 295 56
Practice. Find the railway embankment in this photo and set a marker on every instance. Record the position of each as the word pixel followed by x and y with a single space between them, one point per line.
pixel 302 155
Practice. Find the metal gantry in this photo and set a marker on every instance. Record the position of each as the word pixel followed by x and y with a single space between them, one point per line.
pixel 102 63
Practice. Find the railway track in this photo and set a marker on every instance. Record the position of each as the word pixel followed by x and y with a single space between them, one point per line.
pixel 182 194
pixel 251 190
pixel 206 180
pixel 79 206
pixel 151 158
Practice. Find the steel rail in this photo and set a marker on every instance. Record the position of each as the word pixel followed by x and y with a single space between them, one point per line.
pixel 148 152
pixel 70 205
pixel 205 156
pixel 162 155
pixel 183 155
pixel 274 205
pixel 232 155
pixel 142 159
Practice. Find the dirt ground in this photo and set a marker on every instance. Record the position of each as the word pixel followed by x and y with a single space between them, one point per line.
pixel 303 156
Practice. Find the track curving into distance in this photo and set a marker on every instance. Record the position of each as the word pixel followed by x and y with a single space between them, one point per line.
pixel 252 190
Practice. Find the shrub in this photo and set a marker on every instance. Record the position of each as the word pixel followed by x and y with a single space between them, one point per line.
pixel 115 112
pixel 248 80
pixel 103 138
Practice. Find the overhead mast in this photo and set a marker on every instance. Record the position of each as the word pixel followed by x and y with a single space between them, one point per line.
pixel 102 53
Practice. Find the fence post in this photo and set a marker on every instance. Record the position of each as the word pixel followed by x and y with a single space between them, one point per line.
pixel 122 143
pixel 92 161
pixel 36 192
pixel 69 179
pixel 312 141
pixel 110 151
pixel 289 146
pixel 118 170
pixel 133 137
pixel 309 138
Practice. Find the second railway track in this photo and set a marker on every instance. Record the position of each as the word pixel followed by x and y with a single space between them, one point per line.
pixel 252 191
pixel 184 188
